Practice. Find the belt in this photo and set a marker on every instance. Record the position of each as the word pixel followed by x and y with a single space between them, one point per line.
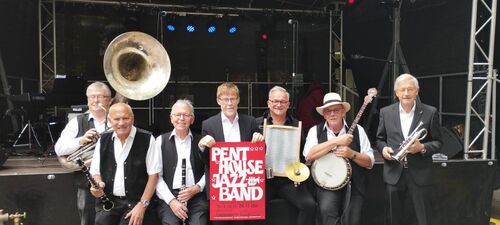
pixel 119 197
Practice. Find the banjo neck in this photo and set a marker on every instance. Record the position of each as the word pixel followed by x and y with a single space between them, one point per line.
pixel 372 92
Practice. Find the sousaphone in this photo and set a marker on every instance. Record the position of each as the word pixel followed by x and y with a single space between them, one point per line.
pixel 136 65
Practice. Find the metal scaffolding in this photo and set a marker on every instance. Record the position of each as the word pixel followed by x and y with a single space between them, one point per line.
pixel 481 86
pixel 336 49
pixel 47 44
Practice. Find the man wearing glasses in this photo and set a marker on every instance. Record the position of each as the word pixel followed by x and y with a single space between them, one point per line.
pixel 182 178
pixel 413 176
pixel 331 136
pixel 300 197
pixel 227 126
pixel 81 131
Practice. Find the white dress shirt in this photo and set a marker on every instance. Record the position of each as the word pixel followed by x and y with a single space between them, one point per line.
pixel 231 130
pixel 153 164
pixel 312 140
pixel 183 148
pixel 68 142
pixel 406 119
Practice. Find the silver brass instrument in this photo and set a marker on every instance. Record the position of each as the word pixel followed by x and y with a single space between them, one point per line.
pixel 137 66
pixel 403 148
pixel 85 152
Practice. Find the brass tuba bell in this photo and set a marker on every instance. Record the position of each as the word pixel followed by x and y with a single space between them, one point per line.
pixel 136 65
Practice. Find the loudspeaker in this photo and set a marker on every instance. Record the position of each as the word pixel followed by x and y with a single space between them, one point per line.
pixel 452 145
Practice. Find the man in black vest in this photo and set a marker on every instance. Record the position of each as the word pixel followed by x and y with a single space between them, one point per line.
pixel 329 136
pixel 182 180
pixel 300 197
pixel 79 132
pixel 413 175
pixel 126 166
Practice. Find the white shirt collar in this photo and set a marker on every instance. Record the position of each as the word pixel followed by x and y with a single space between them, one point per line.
pixel 403 111
pixel 225 119
pixel 175 134
pixel 130 135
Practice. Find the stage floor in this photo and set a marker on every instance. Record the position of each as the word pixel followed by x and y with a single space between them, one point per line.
pixel 43 189
pixel 31 165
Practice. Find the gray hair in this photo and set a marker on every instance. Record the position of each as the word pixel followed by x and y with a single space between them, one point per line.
pixel 185 102
pixel 279 88
pixel 405 77
pixel 99 86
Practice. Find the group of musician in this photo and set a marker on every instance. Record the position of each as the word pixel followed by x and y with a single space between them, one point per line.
pixel 167 177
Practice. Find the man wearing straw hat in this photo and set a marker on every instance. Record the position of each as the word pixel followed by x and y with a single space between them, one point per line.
pixel 331 136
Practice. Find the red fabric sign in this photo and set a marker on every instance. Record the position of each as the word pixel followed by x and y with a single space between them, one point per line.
pixel 237 181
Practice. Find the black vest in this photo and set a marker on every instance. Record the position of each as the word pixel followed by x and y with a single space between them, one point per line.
pixel 135 171
pixel 84 124
pixel 358 176
pixel 169 158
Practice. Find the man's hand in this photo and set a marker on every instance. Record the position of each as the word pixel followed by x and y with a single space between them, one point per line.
pixel 188 193
pixel 257 137
pixel 344 151
pixel 387 152
pixel 136 215
pixel 416 147
pixel 206 142
pixel 344 139
pixel 98 192
pixel 179 209
pixel 88 137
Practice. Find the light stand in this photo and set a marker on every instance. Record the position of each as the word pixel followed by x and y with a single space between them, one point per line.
pixel 31 132
pixel 395 59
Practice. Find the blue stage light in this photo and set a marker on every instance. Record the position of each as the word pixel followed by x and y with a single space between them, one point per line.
pixel 232 29
pixel 170 27
pixel 190 28
pixel 211 28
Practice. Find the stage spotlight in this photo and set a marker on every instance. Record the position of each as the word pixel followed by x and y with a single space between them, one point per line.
pixel 190 28
pixel 211 28
pixel 350 2
pixel 170 27
pixel 263 36
pixel 232 29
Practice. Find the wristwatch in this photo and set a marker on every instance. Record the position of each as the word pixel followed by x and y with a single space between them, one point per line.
pixel 145 202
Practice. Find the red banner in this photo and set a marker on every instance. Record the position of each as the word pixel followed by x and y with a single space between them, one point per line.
pixel 237 181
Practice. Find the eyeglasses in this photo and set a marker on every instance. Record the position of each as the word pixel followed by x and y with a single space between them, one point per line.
pixel 409 90
pixel 335 111
pixel 97 97
pixel 275 102
pixel 180 115
pixel 227 100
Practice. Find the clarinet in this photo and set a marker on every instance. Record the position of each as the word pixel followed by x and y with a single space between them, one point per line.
pixel 107 204
pixel 183 182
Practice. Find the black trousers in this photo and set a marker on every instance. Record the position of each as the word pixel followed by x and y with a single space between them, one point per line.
pixel 197 211
pixel 340 207
pixel 300 197
pixel 116 216
pixel 398 193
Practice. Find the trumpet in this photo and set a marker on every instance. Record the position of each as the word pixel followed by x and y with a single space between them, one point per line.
pixel 85 153
pixel 403 148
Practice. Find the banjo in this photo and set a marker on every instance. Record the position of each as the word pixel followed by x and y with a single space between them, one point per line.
pixel 332 172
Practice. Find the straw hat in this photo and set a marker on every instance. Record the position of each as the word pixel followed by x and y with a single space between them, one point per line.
pixel 332 99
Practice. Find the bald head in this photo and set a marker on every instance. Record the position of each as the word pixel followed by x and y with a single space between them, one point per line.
pixel 121 119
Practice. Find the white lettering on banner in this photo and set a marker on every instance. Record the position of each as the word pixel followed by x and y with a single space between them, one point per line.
pixel 240 194
pixel 229 153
